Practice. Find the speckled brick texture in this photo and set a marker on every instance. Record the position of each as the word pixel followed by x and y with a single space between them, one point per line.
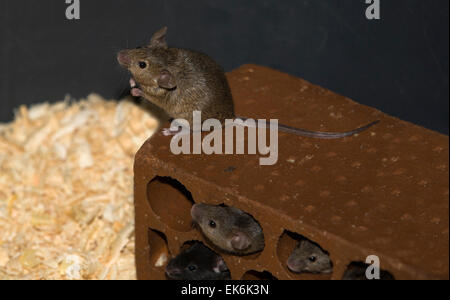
pixel 383 192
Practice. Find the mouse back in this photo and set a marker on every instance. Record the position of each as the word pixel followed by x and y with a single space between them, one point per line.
pixel 180 81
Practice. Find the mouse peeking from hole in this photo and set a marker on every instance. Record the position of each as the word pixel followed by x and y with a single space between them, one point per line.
pixel 308 257
pixel 229 229
pixel 198 262
pixel 182 81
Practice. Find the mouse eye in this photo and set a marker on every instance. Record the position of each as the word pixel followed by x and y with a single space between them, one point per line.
pixel 192 268
pixel 212 224
pixel 312 258
pixel 142 64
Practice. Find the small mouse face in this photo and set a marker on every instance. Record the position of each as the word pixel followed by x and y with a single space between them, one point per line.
pixel 308 257
pixel 228 228
pixel 197 263
pixel 214 221
pixel 210 218
pixel 148 66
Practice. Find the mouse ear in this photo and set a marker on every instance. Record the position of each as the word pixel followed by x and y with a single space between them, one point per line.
pixel 159 38
pixel 220 266
pixel 166 80
pixel 240 241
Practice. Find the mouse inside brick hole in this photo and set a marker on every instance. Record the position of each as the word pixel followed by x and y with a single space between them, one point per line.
pixel 229 229
pixel 181 81
pixel 357 271
pixel 309 257
pixel 198 262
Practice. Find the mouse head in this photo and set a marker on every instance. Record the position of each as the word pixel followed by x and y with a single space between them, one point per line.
pixel 197 263
pixel 310 258
pixel 149 67
pixel 221 226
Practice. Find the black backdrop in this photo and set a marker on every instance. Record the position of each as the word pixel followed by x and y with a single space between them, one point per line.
pixel 398 64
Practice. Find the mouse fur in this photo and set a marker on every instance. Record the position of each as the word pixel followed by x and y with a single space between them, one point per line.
pixel 308 257
pixel 198 262
pixel 179 81
pixel 229 228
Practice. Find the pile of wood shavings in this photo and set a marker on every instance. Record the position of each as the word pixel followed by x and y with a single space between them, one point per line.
pixel 66 189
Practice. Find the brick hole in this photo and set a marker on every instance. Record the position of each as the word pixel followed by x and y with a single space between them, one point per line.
pixel 158 249
pixel 171 201
pixel 356 271
pixel 286 244
pixel 255 275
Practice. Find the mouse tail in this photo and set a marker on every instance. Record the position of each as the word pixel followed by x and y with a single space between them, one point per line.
pixel 319 134
pixel 325 135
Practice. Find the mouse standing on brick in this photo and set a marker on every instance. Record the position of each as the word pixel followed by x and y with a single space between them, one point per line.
pixel 307 257
pixel 229 228
pixel 182 81
pixel 198 263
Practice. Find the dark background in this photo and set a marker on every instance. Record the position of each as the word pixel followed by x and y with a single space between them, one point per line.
pixel 398 64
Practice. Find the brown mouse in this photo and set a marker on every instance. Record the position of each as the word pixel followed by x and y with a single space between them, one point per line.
pixel 228 228
pixel 198 262
pixel 178 80
pixel 308 257
pixel 182 81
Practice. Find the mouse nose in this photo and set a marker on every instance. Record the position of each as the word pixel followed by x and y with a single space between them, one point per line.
pixel 295 265
pixel 172 271
pixel 123 59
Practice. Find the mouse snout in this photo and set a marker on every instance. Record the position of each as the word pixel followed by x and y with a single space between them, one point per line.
pixel 172 271
pixel 124 59
pixel 295 265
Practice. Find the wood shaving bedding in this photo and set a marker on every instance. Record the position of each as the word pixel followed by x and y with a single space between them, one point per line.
pixel 66 189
